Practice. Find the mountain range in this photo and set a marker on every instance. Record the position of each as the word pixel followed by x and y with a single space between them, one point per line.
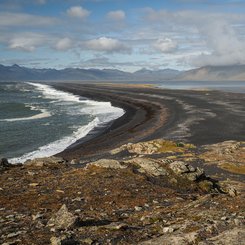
pixel 207 73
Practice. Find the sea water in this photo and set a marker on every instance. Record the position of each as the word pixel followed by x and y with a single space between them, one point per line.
pixel 226 86
pixel 37 120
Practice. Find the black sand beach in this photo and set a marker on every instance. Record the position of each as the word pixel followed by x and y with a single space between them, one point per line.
pixel 199 117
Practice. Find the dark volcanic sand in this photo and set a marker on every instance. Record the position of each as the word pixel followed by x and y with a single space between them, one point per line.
pixel 199 117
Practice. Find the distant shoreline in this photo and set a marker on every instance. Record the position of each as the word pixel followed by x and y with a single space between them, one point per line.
pixel 193 116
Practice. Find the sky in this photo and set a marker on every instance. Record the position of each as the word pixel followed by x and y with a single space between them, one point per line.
pixel 122 34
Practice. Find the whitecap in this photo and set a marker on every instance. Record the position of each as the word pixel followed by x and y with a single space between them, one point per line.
pixel 58 145
pixel 103 112
pixel 50 93
pixel 44 113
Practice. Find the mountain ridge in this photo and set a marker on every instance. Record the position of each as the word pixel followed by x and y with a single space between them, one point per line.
pixel 207 73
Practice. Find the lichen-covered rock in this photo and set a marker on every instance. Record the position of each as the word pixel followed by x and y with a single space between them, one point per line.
pixel 107 163
pixel 186 170
pixel 179 167
pixel 45 161
pixel 228 155
pixel 228 189
pixel 153 147
pixel 148 166
pixel 63 219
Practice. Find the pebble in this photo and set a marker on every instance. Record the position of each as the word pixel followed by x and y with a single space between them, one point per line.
pixel 237 222
pixel 36 216
pixel 137 208
pixel 77 199
pixel 168 230
pixel 10 216
pixel 224 218
pixel 14 234
pixel 33 184
pixel 60 191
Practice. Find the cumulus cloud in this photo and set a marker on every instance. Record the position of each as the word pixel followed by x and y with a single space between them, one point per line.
pixel 26 42
pixel 22 19
pixel 30 41
pixel 222 42
pixel 165 45
pixel 108 45
pixel 117 15
pixel 63 44
pixel 78 12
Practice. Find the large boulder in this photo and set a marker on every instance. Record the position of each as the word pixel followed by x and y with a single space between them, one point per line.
pixel 148 166
pixel 63 219
pixel 186 170
pixel 44 162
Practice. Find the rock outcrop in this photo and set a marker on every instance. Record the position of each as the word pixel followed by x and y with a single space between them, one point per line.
pixel 228 155
pixel 131 196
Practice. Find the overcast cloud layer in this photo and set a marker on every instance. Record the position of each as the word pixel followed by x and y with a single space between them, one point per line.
pixel 123 34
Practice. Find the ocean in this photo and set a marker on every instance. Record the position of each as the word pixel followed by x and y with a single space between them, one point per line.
pixel 234 87
pixel 37 120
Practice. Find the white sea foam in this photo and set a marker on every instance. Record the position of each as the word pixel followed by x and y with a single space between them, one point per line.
pixel 53 94
pixel 58 145
pixel 43 114
pixel 103 112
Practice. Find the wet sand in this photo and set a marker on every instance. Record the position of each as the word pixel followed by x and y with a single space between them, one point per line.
pixel 199 117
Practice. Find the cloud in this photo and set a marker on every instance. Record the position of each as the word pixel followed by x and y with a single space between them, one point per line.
pixel 26 42
pixel 30 41
pixel 226 46
pixel 117 15
pixel 216 34
pixel 22 19
pixel 63 44
pixel 109 45
pixel 165 45
pixel 78 12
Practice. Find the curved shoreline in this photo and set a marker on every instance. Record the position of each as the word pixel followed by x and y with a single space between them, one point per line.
pixel 139 122
pixel 193 116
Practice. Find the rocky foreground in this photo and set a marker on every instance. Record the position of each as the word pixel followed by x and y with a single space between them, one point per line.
pixel 152 192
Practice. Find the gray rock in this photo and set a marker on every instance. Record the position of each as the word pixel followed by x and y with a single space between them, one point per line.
pixel 63 219
pixel 107 163
pixel 116 226
pixel 186 170
pixel 228 189
pixel 168 229
pixel 179 167
pixel 45 161
pixel 148 166
pixel 137 208
pixel 14 234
